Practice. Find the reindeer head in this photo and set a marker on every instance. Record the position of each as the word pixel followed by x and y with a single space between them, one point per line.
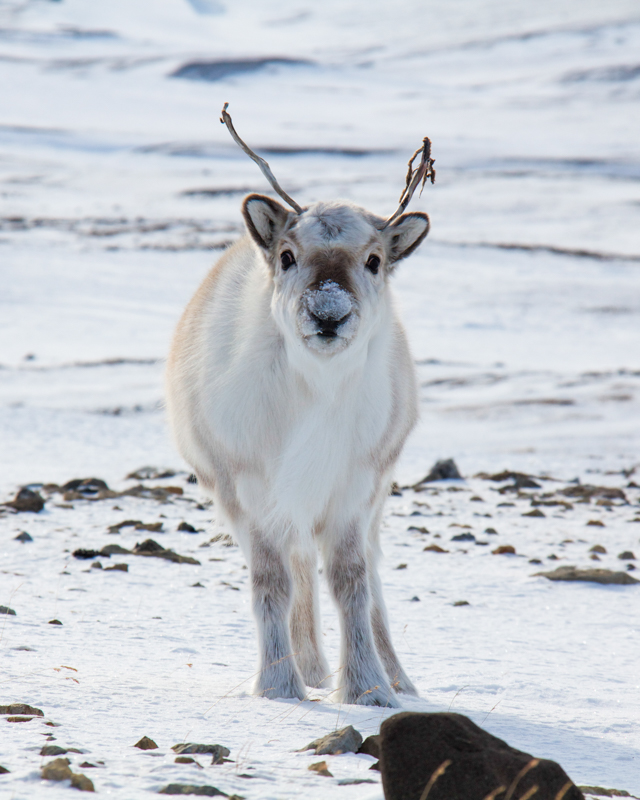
pixel 330 266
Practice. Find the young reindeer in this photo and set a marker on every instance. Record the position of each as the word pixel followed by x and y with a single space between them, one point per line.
pixel 291 391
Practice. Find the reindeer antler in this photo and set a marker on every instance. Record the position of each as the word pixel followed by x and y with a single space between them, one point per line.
pixel 423 171
pixel 266 170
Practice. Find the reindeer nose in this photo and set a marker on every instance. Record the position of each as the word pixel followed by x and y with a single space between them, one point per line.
pixel 329 306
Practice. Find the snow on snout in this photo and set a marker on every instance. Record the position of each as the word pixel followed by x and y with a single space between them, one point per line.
pixel 330 301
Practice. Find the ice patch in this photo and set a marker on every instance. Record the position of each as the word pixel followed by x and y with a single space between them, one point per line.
pixel 330 301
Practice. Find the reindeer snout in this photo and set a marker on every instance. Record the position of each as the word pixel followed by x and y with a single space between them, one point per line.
pixel 329 306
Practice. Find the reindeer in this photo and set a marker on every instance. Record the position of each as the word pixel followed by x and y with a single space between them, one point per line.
pixel 291 391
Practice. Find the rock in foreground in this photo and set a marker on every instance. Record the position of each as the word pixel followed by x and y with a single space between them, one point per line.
pixel 462 761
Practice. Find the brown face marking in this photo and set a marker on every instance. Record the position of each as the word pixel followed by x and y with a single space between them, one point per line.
pixel 333 265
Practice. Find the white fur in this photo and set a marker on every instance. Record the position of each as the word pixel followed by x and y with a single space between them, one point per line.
pixel 294 426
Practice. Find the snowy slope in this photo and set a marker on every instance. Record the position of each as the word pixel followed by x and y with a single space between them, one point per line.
pixel 118 187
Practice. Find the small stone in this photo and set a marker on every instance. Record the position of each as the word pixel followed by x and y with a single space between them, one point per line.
pixel 189 788
pixel 321 768
pixel 504 549
pixel 592 575
pixel 96 565
pixel 491 531
pixel 627 555
pixel 118 567
pixel 600 791
pixel 441 471
pixel 417 529
pixel 53 750
pixel 415 599
pixel 4 770
pixel 463 537
pixel 354 781
pixel 596 523
pixel 434 548
pixel 461 603
pixel 598 548
pixel 594 557
pixel 535 561
pixel 81 782
pixel 186 760
pixel 184 526
pixel 535 513
pixel 85 486
pixel 8 611
pixel 218 751
pixel 198 585
pixel 476 499
pixel 127 523
pixel 19 719
pixel 553 557
pixel 154 527
pixel 57 770
pixel 83 554
pixel 146 744
pixel 54 622
pixel 27 500
pixel 401 566
pixel 23 537
pixel 114 550
pixel 346 740
pixel 371 746
pixel 88 765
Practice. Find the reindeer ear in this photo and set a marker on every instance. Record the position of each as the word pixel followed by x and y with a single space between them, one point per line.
pixel 265 219
pixel 405 235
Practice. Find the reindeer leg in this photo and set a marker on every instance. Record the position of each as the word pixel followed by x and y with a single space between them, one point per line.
pixel 271 594
pixel 303 622
pixel 362 676
pixel 399 680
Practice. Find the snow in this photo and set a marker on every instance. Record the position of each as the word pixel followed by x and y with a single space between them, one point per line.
pixel 118 187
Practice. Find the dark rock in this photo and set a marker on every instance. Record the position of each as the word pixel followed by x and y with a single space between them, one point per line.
pixel 395 490
pixel 54 622
pixel 419 530
pixel 8 611
pixel 146 744
pixel 23 537
pixel 401 566
pixel 53 750
pixel 321 768
pixel 88 765
pixel 535 513
pixel 57 770
pixel 504 549
pixel 192 478
pixel 150 474
pixel 114 550
pixel 463 537
pixel 354 781
pixel 600 791
pixel 219 69
pixel 589 575
pixel 190 788
pixel 19 719
pixel 151 548
pixel 346 740
pixel 461 603
pixel 184 526
pixel 85 486
pixel 26 500
pixel 491 531
pixel 118 567
pixel 154 527
pixel 96 565
pixel 127 523
pixel 536 561
pixel 596 523
pixel 81 782
pixel 81 553
pixel 441 471
pixel 434 548
pixel 21 708
pixel 627 555
pixel 598 548
pixel 457 759
pixel 186 760
pixel 4 770
pixel 370 746
pixel 587 492
pixel 415 599
pixel 198 585
pixel 218 751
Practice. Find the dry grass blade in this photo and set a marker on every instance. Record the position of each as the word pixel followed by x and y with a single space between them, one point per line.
pixel 266 169
pixel 527 767
pixel 564 790
pixel 415 176
pixel 492 795
pixel 437 773
pixel 533 790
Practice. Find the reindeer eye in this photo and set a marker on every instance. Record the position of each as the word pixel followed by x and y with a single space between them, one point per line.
pixel 286 259
pixel 373 262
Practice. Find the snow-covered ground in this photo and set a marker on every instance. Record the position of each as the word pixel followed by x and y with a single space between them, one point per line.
pixel 118 186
